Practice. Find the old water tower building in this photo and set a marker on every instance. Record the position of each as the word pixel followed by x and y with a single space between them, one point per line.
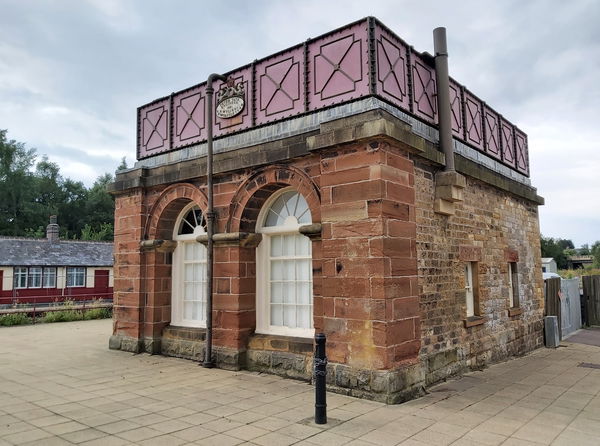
pixel 359 192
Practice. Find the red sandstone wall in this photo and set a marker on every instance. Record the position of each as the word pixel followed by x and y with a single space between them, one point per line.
pixel 365 265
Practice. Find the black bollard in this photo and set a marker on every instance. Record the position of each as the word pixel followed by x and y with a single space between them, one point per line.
pixel 320 365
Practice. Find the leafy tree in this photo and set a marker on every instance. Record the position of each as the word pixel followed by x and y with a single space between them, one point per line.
pixel 71 211
pixel 584 250
pixel 595 251
pixel 100 207
pixel 31 191
pixel 555 248
pixel 16 186
pixel 105 233
pixel 123 165
pixel 565 244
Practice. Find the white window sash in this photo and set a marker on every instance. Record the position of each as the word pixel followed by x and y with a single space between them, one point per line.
pixel 263 286
pixel 20 278
pixel 470 298
pixel 178 277
pixel 49 278
pixel 75 277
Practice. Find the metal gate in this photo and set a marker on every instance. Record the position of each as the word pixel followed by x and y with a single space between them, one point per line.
pixel 570 307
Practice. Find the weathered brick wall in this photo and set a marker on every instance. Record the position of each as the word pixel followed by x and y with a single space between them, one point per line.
pixel 491 222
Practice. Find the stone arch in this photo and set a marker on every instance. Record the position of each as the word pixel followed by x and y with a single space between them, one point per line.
pixel 167 207
pixel 252 194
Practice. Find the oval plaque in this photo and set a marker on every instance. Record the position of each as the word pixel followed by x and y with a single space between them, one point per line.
pixel 230 107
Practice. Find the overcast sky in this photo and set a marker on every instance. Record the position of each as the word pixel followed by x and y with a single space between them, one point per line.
pixel 73 72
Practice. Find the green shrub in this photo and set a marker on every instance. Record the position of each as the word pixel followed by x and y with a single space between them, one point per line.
pixel 8 320
pixel 62 316
pixel 97 313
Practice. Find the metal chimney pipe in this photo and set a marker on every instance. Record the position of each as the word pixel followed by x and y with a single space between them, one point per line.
pixel 210 216
pixel 443 95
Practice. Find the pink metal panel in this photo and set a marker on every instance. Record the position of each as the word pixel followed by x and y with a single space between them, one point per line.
pixel 392 79
pixel 473 121
pixel 188 117
pixel 492 132
pixel 280 86
pixel 508 143
pixel 244 119
pixel 456 114
pixel 339 67
pixel 522 151
pixel 154 122
pixel 424 90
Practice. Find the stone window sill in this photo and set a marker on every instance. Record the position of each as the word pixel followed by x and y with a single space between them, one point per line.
pixel 516 311
pixel 289 344
pixel 474 321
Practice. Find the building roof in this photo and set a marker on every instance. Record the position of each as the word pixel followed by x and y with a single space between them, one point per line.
pixel 547 259
pixel 16 251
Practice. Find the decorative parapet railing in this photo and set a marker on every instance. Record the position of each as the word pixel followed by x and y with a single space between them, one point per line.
pixel 362 59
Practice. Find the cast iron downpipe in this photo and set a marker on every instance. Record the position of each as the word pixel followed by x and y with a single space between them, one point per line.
pixel 443 95
pixel 210 216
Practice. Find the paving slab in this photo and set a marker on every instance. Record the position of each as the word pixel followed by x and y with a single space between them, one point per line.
pixel 60 384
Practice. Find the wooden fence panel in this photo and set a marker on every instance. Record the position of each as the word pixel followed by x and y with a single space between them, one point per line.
pixel 552 299
pixel 591 295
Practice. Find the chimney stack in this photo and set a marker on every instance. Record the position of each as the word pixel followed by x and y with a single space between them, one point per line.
pixel 52 230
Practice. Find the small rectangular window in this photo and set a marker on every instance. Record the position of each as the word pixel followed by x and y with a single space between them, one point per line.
pixel 49 279
pixel 513 285
pixel 35 277
pixel 75 276
pixel 471 289
pixel 20 277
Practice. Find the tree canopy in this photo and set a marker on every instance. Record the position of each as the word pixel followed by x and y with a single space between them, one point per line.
pixel 559 249
pixel 31 190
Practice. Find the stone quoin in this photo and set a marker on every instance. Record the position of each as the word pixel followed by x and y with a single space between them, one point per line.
pixel 334 214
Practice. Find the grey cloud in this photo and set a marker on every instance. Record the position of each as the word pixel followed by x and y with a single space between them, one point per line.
pixel 537 62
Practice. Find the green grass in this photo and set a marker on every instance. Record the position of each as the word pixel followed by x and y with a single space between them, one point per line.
pixel 8 320
pixel 573 273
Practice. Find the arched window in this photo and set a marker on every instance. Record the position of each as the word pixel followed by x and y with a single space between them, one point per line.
pixel 188 304
pixel 284 267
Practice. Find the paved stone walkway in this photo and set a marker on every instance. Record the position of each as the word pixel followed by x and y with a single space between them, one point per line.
pixel 59 384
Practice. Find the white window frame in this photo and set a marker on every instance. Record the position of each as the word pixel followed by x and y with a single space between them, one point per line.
pixel 178 272
pixel 34 277
pixel 469 289
pixel 20 277
pixel 263 272
pixel 49 277
pixel 75 277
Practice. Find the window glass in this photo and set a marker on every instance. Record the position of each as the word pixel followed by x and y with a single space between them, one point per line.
pixel 192 219
pixel 20 277
pixel 284 261
pixel 513 285
pixel 189 271
pixel 75 276
pixel 288 204
pixel 49 279
pixel 470 298
pixel 35 277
